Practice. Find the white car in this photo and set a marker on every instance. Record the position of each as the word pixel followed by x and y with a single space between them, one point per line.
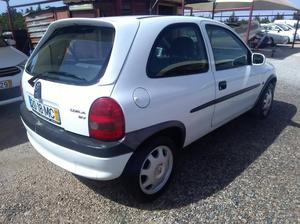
pixel 12 64
pixel 121 96
pixel 292 29
pixel 289 22
pixel 274 38
pixel 279 30
pixel 9 39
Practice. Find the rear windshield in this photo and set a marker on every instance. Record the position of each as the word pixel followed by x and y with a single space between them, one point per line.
pixel 74 54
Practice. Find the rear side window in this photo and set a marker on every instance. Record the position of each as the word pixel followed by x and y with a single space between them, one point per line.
pixel 74 54
pixel 229 51
pixel 178 50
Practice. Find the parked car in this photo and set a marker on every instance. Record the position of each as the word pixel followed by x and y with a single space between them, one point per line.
pixel 275 38
pixel 12 64
pixel 242 29
pixel 290 22
pixel 9 39
pixel 292 29
pixel 272 28
pixel 289 28
pixel 121 96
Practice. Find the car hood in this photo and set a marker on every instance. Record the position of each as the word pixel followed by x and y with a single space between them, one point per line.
pixel 11 57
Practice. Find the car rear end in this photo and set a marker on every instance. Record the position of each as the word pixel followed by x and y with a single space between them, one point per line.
pixel 68 112
pixel 11 67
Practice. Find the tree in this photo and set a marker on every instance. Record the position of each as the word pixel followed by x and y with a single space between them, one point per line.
pixel 257 18
pixel 278 17
pixel 17 17
pixel 39 8
pixel 232 18
pixel 28 10
pixel 265 20
pixel 296 15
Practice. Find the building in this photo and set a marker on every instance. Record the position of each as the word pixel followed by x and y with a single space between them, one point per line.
pixel 96 8
pixel 38 22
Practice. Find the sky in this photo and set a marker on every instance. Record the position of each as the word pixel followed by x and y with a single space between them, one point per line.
pixel 17 2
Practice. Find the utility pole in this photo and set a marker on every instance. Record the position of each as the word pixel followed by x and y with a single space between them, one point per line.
pixel 250 21
pixel 297 27
pixel 213 9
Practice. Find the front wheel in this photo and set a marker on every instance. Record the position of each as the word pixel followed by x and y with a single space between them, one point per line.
pixel 149 171
pixel 265 102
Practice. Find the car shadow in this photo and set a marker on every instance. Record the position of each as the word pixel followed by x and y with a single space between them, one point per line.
pixel 12 131
pixel 213 162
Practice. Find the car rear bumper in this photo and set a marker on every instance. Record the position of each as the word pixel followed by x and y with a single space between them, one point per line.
pixel 89 158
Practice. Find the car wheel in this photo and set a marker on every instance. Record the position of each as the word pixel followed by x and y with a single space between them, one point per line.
pixel 265 103
pixel 150 169
pixel 272 43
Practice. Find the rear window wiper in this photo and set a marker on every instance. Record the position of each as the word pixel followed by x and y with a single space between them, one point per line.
pixel 31 81
pixel 67 74
pixel 35 77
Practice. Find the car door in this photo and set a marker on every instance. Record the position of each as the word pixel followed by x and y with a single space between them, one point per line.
pixel 236 81
pixel 178 81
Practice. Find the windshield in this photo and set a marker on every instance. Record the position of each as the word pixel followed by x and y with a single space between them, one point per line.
pixel 75 54
pixel 290 26
pixel 284 27
pixel 2 42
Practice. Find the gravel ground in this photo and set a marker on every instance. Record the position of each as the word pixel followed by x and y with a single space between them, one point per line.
pixel 246 171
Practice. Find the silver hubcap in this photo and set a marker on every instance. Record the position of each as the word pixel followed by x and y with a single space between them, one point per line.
pixel 267 101
pixel 156 169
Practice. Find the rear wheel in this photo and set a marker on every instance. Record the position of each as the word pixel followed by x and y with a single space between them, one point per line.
pixel 149 171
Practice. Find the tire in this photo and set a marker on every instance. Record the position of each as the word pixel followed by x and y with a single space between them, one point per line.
pixel 272 43
pixel 265 102
pixel 150 169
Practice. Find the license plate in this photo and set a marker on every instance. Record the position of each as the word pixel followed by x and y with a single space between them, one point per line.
pixel 5 84
pixel 45 111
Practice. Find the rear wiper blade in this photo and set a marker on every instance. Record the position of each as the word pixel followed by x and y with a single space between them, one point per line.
pixel 35 77
pixel 66 74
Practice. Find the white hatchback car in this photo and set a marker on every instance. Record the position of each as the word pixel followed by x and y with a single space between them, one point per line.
pixel 12 64
pixel 121 96
pixel 279 30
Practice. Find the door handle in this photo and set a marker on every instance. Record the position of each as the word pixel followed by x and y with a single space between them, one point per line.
pixel 222 85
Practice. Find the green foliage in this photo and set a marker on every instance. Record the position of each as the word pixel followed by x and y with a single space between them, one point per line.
pixel 17 17
pixel 265 20
pixel 232 18
pixel 28 10
pixel 296 16
pixel 278 17
pixel 257 18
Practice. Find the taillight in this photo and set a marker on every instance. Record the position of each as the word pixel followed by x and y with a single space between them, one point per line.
pixel 106 120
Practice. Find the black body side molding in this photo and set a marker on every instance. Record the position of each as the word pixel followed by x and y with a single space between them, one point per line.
pixel 224 98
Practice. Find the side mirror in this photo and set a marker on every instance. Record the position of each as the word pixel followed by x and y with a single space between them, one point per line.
pixel 258 59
